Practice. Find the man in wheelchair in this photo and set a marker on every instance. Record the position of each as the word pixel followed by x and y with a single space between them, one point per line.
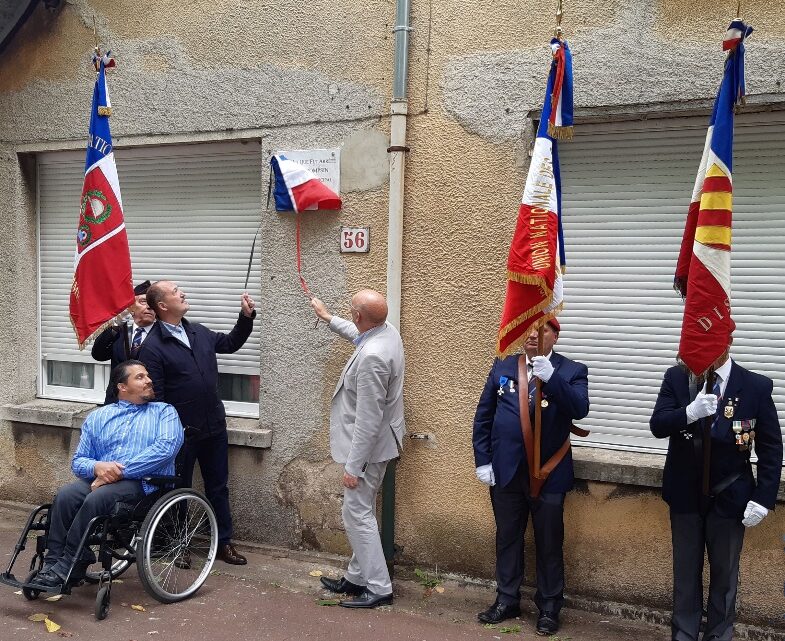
pixel 120 444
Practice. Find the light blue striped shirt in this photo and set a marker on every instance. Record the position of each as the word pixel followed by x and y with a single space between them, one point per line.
pixel 178 331
pixel 145 438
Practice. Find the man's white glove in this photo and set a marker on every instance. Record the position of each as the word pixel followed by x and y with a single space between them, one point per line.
pixel 704 405
pixel 485 474
pixel 754 514
pixel 542 368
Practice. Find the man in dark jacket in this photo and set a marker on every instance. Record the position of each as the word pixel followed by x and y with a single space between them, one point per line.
pixel 501 459
pixel 743 416
pixel 181 359
pixel 112 345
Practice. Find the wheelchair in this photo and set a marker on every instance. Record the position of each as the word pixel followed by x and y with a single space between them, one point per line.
pixel 171 534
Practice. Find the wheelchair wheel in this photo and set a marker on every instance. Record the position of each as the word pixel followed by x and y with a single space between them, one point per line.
pixel 102 603
pixel 31 594
pixel 177 545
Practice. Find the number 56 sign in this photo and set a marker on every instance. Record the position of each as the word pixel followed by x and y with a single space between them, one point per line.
pixel 355 239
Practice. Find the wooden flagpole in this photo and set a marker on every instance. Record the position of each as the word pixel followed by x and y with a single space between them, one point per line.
pixel 538 410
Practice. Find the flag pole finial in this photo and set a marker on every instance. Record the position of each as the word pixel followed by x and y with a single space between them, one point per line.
pixel 557 32
pixel 738 9
pixel 97 57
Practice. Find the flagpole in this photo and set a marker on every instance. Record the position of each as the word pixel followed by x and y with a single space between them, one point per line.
pixel 706 428
pixel 538 409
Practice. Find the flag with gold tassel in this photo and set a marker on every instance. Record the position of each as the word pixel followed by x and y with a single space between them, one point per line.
pixel 703 268
pixel 536 259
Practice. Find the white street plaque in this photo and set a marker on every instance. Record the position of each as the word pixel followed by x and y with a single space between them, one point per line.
pixel 324 163
pixel 355 240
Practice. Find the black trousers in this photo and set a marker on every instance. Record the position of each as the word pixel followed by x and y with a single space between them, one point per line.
pixel 722 538
pixel 73 507
pixel 213 456
pixel 512 506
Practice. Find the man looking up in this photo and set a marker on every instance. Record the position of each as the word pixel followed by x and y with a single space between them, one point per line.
pixel 366 432
pixel 181 359
pixel 120 443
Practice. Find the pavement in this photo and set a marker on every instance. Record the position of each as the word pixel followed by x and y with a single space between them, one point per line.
pixel 277 597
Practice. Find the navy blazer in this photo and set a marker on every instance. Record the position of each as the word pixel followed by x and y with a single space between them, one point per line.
pixel 188 378
pixel 497 436
pixel 109 345
pixel 682 477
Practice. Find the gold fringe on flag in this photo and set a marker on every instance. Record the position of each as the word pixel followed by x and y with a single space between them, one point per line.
pixel 561 133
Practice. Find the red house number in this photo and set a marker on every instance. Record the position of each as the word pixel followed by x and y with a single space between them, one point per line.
pixel 355 239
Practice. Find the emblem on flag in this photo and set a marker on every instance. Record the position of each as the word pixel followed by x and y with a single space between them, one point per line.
pixel 703 268
pixel 536 260
pixel 102 285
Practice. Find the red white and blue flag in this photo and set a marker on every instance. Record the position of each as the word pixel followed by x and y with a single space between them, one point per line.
pixel 703 268
pixel 536 260
pixel 298 189
pixel 103 284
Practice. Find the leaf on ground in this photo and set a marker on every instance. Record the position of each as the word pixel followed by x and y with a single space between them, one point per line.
pixel 138 608
pixel 510 629
pixel 490 626
pixel 328 602
pixel 116 581
pixel 40 616
pixel 18 592
pixel 56 597
pixel 439 589
pixel 315 573
pixel 65 634
pixel 425 579
pixel 51 626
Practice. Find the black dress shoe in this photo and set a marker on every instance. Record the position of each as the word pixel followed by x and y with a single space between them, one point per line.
pixel 48 580
pixel 342 586
pixel 368 599
pixel 547 623
pixel 499 612
pixel 228 554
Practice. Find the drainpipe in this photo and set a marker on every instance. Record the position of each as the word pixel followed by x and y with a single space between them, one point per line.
pixel 397 151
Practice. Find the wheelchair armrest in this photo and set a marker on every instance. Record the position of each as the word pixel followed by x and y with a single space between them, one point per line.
pixel 162 480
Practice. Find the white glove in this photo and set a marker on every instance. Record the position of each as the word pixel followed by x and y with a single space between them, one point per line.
pixel 485 475
pixel 754 514
pixel 542 368
pixel 703 405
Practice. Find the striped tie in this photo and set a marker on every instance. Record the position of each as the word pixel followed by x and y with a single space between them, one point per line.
pixel 138 334
pixel 532 386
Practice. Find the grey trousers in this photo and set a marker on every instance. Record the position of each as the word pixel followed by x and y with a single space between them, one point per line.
pixel 73 507
pixel 722 539
pixel 367 566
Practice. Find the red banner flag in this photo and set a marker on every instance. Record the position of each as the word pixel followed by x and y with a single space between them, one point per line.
pixel 103 283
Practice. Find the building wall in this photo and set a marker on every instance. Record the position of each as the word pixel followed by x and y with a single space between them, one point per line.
pixel 319 75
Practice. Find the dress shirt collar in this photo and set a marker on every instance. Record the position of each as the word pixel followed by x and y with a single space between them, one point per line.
pixel 173 329
pixel 368 332
pixel 723 373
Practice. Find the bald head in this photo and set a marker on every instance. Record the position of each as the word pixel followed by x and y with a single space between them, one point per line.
pixel 371 307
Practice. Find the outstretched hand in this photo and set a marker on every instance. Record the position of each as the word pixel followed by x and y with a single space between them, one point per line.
pixel 248 305
pixel 321 310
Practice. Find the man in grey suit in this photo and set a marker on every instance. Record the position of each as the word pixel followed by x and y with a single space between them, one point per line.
pixel 366 432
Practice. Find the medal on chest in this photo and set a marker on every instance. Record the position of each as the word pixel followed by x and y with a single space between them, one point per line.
pixel 745 434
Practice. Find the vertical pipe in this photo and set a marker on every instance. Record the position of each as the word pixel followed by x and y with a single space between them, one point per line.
pixel 397 150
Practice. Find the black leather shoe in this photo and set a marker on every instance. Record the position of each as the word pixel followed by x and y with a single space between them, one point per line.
pixel 499 612
pixel 229 554
pixel 48 580
pixel 342 586
pixel 547 623
pixel 368 599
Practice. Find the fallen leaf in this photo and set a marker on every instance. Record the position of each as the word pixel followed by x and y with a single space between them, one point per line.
pixel 315 573
pixel 153 632
pixel 56 597
pixel 138 608
pixel 510 629
pixel 40 616
pixel 439 589
pixel 51 626
pixel 18 592
pixel 116 581
pixel 328 602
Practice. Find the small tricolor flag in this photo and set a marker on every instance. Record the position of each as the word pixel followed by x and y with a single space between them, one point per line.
pixel 102 285
pixel 298 189
pixel 703 268
pixel 536 260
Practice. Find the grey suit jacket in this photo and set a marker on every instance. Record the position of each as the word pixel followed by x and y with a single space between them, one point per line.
pixel 366 417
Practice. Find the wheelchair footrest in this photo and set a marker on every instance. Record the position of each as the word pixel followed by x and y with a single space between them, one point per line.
pixel 10 579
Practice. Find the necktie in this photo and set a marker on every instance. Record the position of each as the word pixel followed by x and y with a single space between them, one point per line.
pixel 532 386
pixel 137 341
pixel 716 391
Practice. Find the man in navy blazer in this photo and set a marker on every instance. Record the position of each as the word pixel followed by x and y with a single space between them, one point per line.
pixel 181 359
pixel 736 499
pixel 110 345
pixel 501 461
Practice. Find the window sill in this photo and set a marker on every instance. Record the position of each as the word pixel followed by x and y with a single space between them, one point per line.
pixel 243 432
pixel 628 468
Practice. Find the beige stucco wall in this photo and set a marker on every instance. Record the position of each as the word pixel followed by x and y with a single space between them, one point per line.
pixel 319 74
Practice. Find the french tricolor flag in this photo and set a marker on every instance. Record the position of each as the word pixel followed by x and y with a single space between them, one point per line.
pixel 298 189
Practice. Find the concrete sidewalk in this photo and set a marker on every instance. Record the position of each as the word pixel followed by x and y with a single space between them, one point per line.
pixel 275 597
